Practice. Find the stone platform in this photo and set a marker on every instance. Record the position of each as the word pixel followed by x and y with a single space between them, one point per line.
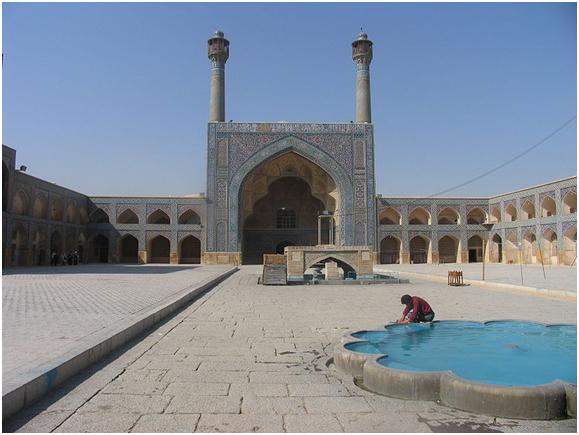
pixel 59 320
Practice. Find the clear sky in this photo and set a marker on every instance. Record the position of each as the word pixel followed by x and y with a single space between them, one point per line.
pixel 112 99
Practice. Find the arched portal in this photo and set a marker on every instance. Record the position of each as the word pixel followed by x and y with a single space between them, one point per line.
pixel 160 249
pixel 419 250
pixel 548 207
pixel 20 203
pixel 72 213
pixel 550 247
pixel 189 217
pixel 512 252
pixel 159 217
pixel 390 216
pixel 38 246
pixel 529 248
pixel 448 249
pixel 448 216
pixel 495 214
pixel 419 216
pixel 57 209
pixel 128 217
pixel 40 206
pixel 129 249
pixel 496 249
pixel 570 203
pixel 281 200
pixel 528 210
pixel 511 213
pixel 81 248
pixel 190 250
pixel 100 249
pixel 475 249
pixel 99 216
pixel 390 250
pixel 476 216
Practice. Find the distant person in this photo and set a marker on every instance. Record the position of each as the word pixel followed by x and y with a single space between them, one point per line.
pixel 75 258
pixel 53 259
pixel 64 259
pixel 419 309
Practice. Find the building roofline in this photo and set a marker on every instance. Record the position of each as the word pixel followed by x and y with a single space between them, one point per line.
pixel 146 197
pixel 534 187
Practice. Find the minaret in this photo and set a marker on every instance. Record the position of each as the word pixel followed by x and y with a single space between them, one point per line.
pixel 218 53
pixel 362 56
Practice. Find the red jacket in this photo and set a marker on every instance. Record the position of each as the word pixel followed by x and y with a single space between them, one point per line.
pixel 417 305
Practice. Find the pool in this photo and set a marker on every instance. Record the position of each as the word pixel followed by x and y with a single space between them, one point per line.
pixel 485 367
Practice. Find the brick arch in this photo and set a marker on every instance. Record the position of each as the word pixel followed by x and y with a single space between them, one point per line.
pixel 331 256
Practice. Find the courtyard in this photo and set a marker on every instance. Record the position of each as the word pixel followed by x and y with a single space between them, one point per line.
pixel 245 357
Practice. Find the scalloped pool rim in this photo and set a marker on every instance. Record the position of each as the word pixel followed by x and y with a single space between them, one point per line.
pixel 555 400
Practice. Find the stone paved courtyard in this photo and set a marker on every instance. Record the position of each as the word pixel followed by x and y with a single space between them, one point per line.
pixel 555 278
pixel 251 358
pixel 48 311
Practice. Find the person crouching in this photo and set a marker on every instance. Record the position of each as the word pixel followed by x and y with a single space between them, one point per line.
pixel 419 309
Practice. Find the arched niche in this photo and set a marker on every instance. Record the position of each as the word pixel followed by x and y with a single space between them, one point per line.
pixel 390 216
pixel 419 216
pixel 159 217
pixel 128 217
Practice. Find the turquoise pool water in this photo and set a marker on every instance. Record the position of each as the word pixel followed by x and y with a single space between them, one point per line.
pixel 500 352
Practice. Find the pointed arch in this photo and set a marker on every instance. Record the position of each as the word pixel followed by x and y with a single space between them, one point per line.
pixel 570 203
pixel 390 216
pixel 495 214
pixel 476 216
pixel 448 249
pixel 159 217
pixel 159 249
pixel 528 210
pixel 20 202
pixel 475 249
pixel 313 154
pixel 72 213
pixel 40 206
pixel 99 216
pixel 448 216
pixel 511 213
pixel 129 249
pixel 550 245
pixel 99 252
pixel 190 250
pixel 496 249
pixel 419 216
pixel 420 250
pixel 390 250
pixel 529 247
pixel 189 217
pixel 570 246
pixel 128 217
pixel 548 207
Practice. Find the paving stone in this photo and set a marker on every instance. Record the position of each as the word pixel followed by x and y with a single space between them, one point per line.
pixel 204 405
pixel 240 423
pixel 381 423
pixel 259 390
pixel 311 423
pixel 132 387
pixel 165 423
pixel 336 405
pixel 315 390
pixel 197 388
pixel 273 405
pixel 45 421
pixel 206 376
pixel 276 378
pixel 144 375
pixel 125 403
pixel 95 422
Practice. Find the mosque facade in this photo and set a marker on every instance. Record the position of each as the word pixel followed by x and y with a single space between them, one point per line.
pixel 275 184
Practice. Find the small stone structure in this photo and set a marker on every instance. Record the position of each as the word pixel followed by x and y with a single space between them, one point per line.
pixel 301 258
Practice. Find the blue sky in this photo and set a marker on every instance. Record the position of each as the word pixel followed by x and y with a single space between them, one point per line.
pixel 112 99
